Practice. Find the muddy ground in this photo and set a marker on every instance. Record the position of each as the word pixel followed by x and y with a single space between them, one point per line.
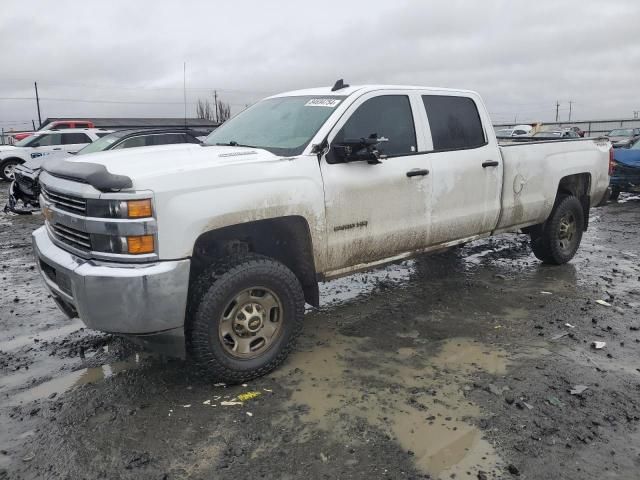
pixel 458 365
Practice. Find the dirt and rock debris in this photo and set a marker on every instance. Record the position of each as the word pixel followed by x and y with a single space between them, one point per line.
pixel 476 363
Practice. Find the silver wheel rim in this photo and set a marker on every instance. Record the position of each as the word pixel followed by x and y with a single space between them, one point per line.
pixel 8 170
pixel 250 323
pixel 567 231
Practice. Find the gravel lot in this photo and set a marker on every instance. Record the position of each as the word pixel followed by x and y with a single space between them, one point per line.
pixel 457 365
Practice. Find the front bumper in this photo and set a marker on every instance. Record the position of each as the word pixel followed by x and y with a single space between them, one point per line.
pixel 129 299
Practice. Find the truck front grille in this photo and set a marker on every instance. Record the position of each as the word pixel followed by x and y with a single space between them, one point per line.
pixel 64 201
pixel 71 236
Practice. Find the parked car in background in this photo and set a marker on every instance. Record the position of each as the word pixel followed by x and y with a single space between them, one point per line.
pixel 623 137
pixel 513 131
pixel 45 144
pixel 21 135
pixel 578 130
pixel 563 134
pixel 25 189
pixel 66 124
pixel 625 171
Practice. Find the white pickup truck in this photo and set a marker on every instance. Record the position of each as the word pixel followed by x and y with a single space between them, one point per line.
pixel 212 250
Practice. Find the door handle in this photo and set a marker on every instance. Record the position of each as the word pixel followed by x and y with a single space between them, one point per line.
pixel 57 149
pixel 417 172
pixel 490 163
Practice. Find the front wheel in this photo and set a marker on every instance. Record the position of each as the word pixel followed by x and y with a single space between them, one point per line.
pixel 557 240
pixel 7 167
pixel 244 316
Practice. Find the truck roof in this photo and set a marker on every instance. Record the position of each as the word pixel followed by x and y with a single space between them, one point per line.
pixel 346 91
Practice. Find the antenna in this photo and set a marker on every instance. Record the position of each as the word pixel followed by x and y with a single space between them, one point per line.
pixel 184 87
pixel 339 85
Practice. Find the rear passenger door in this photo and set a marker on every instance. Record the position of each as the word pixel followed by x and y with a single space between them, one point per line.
pixel 466 167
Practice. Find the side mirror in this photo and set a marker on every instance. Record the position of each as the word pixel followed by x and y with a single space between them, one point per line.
pixel 359 149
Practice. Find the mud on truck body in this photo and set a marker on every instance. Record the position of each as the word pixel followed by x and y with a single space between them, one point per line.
pixel 212 250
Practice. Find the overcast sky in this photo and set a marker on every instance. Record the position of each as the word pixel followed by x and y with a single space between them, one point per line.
pixel 125 58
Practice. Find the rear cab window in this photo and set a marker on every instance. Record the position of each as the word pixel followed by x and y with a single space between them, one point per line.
pixel 454 122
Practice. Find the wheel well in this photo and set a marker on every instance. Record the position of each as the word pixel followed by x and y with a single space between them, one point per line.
pixel 578 185
pixel 286 239
pixel 20 160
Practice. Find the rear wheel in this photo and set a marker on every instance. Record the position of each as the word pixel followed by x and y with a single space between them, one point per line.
pixel 557 240
pixel 6 168
pixel 244 316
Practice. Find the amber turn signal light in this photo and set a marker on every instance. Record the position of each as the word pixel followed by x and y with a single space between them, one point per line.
pixel 139 208
pixel 141 244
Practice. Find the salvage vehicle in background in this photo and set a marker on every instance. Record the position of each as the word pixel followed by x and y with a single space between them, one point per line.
pixel 45 144
pixel 25 189
pixel 563 134
pixel 214 249
pixel 623 137
pixel 509 132
pixel 66 124
pixel 625 172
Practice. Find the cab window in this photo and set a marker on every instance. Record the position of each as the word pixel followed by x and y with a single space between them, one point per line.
pixel 389 118
pixel 454 122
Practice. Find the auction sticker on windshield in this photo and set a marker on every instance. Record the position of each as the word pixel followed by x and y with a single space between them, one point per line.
pixel 322 102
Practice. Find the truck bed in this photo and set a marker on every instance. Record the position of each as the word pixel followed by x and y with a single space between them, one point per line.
pixel 533 171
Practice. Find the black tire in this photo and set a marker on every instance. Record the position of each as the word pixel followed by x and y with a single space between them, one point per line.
pixel 7 166
pixel 209 299
pixel 550 241
pixel 615 194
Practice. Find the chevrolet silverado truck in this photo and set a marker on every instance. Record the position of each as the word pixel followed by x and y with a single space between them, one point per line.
pixel 212 250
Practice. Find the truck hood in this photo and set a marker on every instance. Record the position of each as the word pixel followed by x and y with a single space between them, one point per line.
pixel 146 164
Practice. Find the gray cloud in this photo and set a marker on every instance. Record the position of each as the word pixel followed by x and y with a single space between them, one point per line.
pixel 521 56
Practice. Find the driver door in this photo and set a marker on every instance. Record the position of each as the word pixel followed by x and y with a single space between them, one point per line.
pixel 376 211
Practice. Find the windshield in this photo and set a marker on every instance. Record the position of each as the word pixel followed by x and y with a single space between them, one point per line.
pixel 547 134
pixel 621 132
pixel 636 146
pixel 283 125
pixel 101 144
pixel 505 132
pixel 25 142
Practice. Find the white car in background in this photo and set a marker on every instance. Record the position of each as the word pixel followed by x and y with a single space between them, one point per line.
pixel 46 143
pixel 514 132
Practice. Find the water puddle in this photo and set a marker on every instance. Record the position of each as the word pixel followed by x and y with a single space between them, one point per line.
pixel 79 377
pixel 413 394
pixel 342 290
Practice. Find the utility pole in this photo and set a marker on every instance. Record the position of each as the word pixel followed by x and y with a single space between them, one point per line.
pixel 184 89
pixel 557 108
pixel 38 104
pixel 570 103
pixel 215 101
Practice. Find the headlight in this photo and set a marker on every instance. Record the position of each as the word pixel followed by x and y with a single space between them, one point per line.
pixel 119 208
pixel 132 245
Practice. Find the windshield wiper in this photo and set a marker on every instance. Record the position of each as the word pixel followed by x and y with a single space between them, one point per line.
pixel 233 143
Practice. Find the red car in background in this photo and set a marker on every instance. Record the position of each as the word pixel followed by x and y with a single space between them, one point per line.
pixel 57 125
